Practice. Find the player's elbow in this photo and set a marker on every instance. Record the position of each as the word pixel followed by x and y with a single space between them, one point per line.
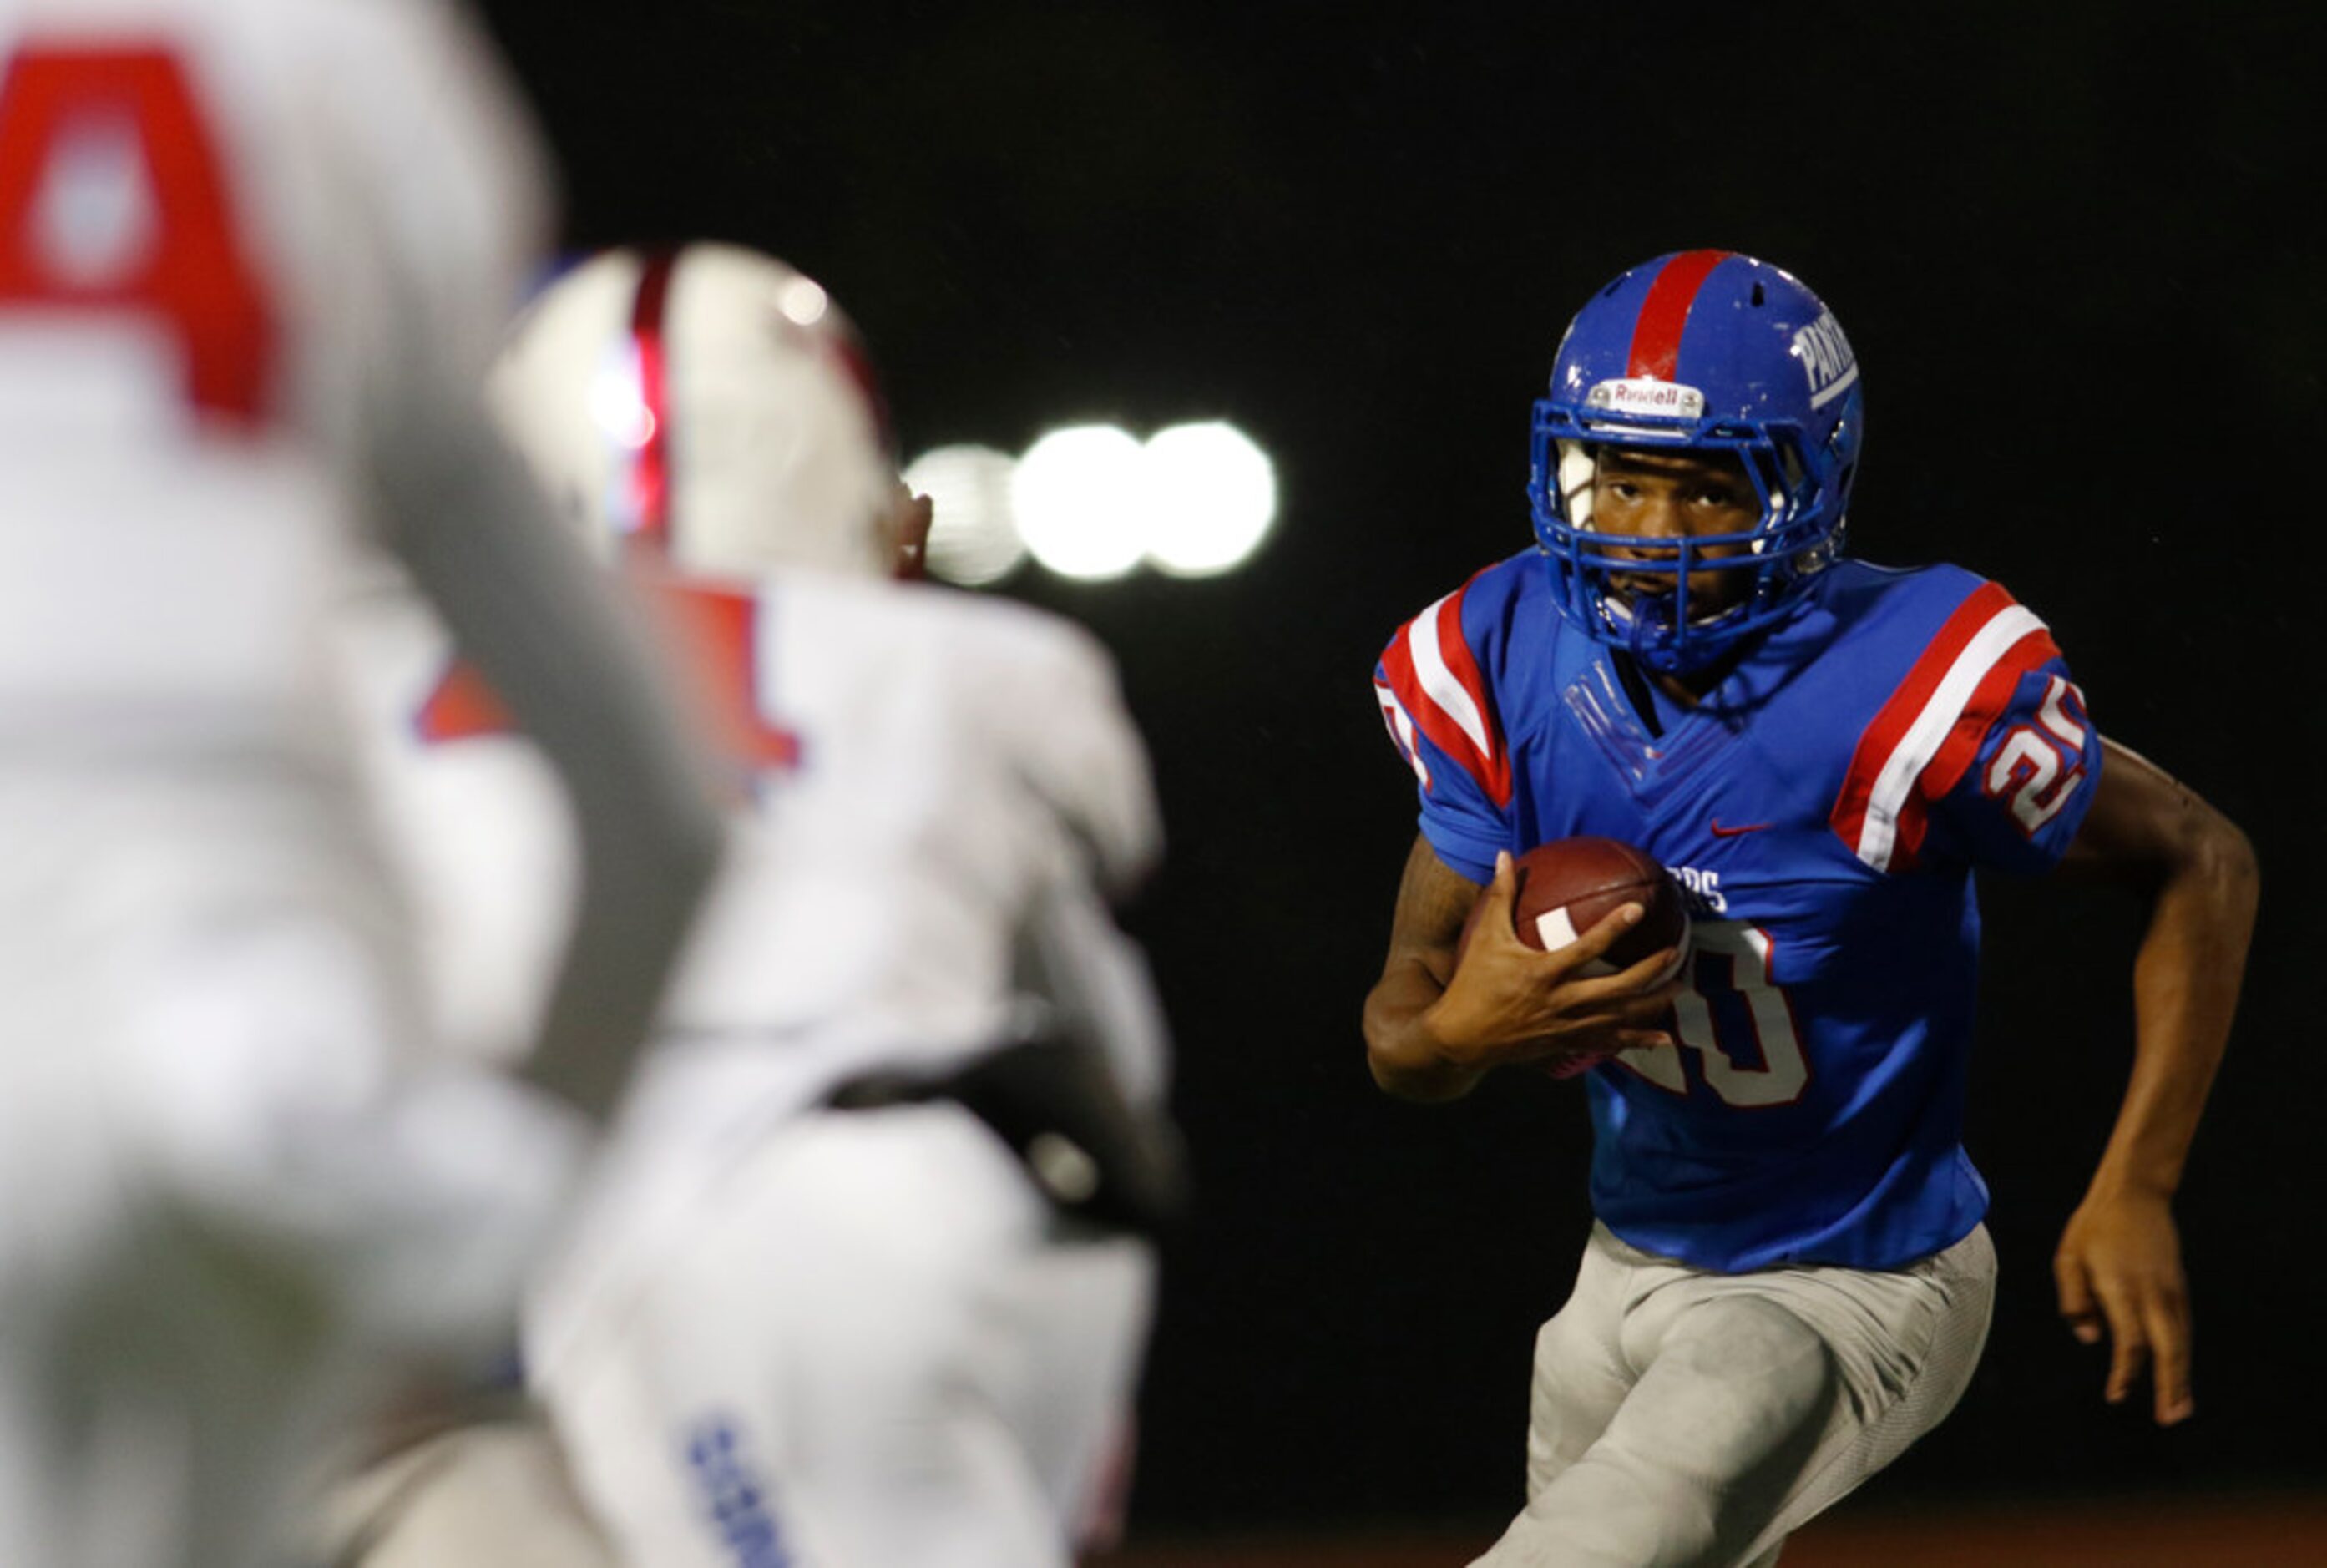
pixel 2222 858
pixel 1401 1057
pixel 2200 850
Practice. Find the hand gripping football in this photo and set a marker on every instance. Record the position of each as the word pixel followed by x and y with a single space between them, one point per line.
pixel 1568 885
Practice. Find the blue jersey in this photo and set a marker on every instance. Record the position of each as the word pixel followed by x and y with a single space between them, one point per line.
pixel 1825 806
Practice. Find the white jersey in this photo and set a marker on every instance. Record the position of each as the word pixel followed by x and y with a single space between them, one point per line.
pixel 915 767
pixel 242 241
pixel 237 239
pixel 238 236
pixel 915 771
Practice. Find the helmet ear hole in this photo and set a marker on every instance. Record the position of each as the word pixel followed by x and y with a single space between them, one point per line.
pixel 1577 469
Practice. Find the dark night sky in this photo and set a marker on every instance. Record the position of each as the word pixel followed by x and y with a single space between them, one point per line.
pixel 2079 258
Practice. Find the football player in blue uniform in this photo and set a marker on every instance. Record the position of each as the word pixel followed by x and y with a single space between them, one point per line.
pixel 1788 1281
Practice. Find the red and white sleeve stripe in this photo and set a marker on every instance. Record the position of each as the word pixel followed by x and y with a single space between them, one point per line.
pixel 1401 731
pixel 1920 744
pixel 1436 684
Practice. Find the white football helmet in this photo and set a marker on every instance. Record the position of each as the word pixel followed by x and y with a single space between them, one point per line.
pixel 708 405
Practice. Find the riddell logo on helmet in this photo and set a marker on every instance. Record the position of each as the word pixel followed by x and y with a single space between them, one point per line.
pixel 1826 358
pixel 1641 396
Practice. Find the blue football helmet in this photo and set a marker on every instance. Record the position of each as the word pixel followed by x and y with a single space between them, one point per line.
pixel 1710 351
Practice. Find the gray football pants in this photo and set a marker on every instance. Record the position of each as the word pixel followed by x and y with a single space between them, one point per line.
pixel 1686 1418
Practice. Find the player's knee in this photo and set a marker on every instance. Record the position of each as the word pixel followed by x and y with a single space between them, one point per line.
pixel 1769 1379
pixel 1579 1381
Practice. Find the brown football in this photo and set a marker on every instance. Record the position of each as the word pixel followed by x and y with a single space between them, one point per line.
pixel 1569 885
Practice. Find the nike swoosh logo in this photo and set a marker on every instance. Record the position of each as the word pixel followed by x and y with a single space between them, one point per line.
pixel 1721 832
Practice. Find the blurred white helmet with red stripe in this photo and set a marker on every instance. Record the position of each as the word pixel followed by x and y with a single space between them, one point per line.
pixel 707 406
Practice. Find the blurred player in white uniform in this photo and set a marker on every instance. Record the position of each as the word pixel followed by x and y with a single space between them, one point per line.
pixel 253 256
pixel 903 1332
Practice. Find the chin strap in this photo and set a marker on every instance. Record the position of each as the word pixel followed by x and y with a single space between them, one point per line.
pixel 1649 628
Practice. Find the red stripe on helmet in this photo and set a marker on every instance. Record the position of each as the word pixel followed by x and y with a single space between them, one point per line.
pixel 650 470
pixel 1655 336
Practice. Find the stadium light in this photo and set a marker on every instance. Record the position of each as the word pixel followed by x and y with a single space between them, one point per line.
pixel 1079 497
pixel 973 538
pixel 1212 495
pixel 1092 502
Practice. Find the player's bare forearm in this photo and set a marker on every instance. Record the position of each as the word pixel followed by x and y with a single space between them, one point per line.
pixel 2119 1266
pixel 1407 1059
pixel 2199 871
